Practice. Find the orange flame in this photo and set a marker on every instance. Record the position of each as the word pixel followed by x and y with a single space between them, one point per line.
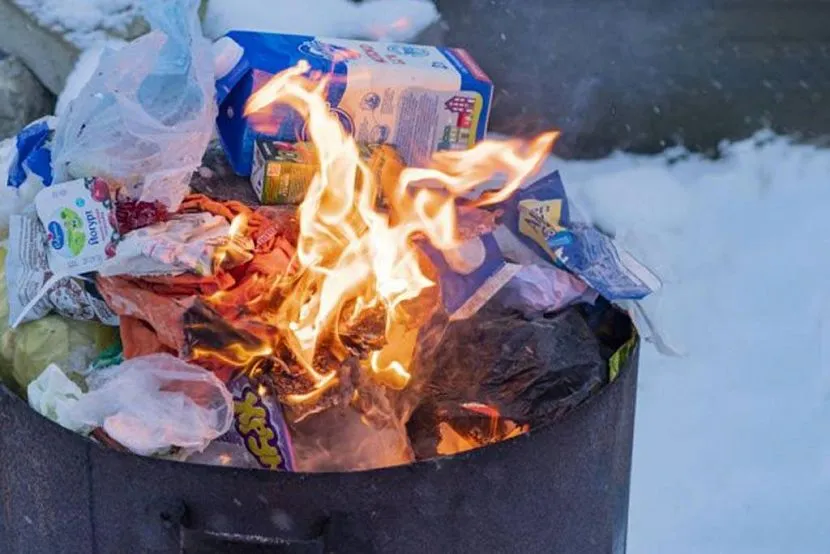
pixel 451 441
pixel 351 255
pixel 237 229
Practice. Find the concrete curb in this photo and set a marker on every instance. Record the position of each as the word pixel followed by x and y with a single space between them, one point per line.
pixel 50 57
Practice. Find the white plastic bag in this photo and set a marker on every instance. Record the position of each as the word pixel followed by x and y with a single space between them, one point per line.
pixel 24 168
pixel 54 395
pixel 145 117
pixel 153 403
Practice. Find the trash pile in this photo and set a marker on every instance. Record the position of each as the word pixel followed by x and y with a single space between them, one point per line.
pixel 348 277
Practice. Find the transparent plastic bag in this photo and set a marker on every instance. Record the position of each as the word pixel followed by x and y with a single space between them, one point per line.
pixel 53 395
pixel 153 404
pixel 146 116
pixel 539 289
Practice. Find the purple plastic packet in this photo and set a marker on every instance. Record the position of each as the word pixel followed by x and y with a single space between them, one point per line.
pixel 259 425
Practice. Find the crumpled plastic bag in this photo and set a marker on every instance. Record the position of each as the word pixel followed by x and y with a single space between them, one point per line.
pixel 259 437
pixel 530 372
pixel 33 156
pixel 146 116
pixel 53 395
pixel 25 168
pixel 25 351
pixel 537 289
pixel 156 404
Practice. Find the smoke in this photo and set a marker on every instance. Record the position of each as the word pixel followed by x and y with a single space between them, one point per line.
pixel 343 439
pixel 370 431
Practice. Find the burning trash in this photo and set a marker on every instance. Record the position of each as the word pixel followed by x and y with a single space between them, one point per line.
pixel 416 291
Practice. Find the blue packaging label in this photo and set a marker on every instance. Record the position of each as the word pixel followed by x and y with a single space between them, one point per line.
pixel 471 274
pixel 611 271
pixel 538 216
pixel 259 425
pixel 34 153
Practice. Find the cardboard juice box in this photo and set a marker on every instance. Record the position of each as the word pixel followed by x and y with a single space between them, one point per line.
pixel 282 171
pixel 419 99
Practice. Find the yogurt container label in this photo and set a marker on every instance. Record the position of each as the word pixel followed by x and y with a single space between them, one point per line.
pixel 79 219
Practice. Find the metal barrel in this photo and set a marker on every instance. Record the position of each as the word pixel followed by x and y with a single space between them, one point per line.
pixel 560 488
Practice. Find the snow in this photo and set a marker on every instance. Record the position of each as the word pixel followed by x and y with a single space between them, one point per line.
pixel 731 442
pixel 85 23
pixel 392 20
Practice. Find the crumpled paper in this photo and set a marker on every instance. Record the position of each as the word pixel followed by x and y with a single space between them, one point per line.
pixel 186 243
pixel 152 307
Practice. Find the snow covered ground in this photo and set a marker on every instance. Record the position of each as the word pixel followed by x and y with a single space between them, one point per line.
pixel 732 441
pixel 392 20
pixel 378 19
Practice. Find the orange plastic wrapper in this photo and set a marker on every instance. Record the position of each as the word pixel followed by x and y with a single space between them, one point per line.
pixel 152 308
pixel 149 303
pixel 270 227
pixel 143 340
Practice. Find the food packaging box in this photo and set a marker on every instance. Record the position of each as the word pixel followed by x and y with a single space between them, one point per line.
pixel 420 99
pixel 282 171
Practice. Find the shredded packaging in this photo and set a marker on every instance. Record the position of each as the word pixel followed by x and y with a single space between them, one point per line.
pixel 35 291
pixel 538 217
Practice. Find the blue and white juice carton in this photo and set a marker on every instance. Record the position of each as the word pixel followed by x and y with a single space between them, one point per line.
pixel 419 99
